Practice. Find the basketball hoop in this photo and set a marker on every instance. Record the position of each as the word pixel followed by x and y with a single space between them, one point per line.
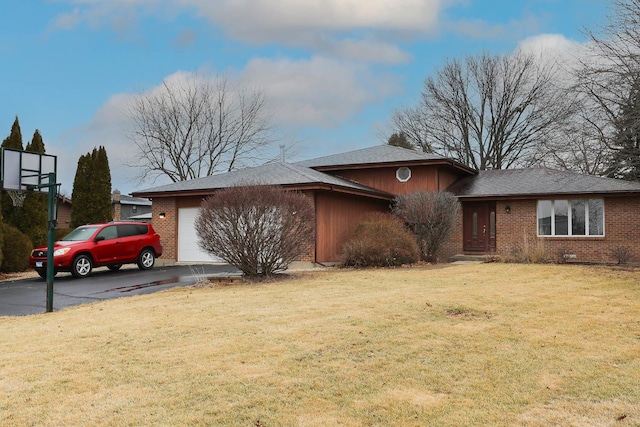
pixel 17 197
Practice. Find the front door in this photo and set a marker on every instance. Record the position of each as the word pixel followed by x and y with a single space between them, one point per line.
pixel 479 226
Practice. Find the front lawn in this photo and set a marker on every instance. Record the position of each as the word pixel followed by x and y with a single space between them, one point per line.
pixel 454 345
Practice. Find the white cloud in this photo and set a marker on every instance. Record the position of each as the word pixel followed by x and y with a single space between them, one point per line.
pixel 259 19
pixel 367 51
pixel 107 128
pixel 67 21
pixel 320 92
pixel 554 44
pixel 362 30
pixel 317 92
pixel 555 50
pixel 351 29
pixel 479 29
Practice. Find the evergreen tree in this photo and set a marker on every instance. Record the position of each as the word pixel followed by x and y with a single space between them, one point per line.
pixel 31 219
pixel 101 185
pixel 91 194
pixel 13 141
pixel 399 139
pixel 625 161
pixel 79 196
pixel 36 145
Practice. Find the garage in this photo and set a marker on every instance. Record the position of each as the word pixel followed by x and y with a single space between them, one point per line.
pixel 188 249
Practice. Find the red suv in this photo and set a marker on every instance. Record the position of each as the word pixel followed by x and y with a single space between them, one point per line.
pixel 94 245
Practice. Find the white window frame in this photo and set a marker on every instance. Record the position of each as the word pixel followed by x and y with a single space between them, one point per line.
pixel 570 219
pixel 400 171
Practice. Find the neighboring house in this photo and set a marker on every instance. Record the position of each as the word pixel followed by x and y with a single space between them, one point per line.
pixel 125 207
pixel 63 211
pixel 583 217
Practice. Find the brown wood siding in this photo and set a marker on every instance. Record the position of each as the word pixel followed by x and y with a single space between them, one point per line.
pixel 190 202
pixel 337 216
pixel 446 177
pixel 64 214
pixel 422 178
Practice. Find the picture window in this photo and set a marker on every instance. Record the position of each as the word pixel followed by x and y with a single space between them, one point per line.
pixel 577 217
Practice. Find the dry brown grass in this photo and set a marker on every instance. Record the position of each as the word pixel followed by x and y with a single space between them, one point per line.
pixel 488 344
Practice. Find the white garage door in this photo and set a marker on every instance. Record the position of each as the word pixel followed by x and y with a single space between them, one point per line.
pixel 188 249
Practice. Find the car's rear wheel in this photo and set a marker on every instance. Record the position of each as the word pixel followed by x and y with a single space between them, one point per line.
pixel 82 266
pixel 114 267
pixel 146 259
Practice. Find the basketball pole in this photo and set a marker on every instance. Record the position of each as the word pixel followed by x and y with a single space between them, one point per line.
pixel 51 225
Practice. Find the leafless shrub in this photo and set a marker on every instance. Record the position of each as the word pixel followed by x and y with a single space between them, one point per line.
pixel 258 229
pixel 526 254
pixel 431 217
pixel 622 254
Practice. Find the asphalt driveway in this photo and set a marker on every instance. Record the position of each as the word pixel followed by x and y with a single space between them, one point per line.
pixel 28 296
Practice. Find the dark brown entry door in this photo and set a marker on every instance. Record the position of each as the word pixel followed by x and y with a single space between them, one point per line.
pixel 479 226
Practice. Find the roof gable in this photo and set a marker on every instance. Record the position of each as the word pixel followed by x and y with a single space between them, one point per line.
pixel 537 182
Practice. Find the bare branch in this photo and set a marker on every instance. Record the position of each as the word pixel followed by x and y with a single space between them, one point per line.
pixel 192 127
pixel 487 111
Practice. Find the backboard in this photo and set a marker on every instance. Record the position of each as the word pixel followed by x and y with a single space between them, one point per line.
pixel 21 170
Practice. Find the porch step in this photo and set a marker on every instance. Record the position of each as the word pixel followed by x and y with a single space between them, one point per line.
pixel 471 258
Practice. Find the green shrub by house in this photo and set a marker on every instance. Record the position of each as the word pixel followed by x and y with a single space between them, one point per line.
pixel 16 248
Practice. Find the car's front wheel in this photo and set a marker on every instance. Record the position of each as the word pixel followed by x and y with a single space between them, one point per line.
pixel 42 272
pixel 82 266
pixel 146 259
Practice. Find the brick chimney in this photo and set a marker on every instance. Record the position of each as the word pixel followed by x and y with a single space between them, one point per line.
pixel 116 208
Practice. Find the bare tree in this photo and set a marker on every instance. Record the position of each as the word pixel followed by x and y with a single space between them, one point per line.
pixel 488 111
pixel 191 127
pixel 431 216
pixel 607 80
pixel 258 229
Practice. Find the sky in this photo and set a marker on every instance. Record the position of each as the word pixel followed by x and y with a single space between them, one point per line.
pixel 333 71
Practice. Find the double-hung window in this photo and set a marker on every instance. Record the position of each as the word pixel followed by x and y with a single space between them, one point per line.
pixel 575 217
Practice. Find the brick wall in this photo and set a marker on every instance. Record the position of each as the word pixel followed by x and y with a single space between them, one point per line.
pixel 517 230
pixel 453 246
pixel 166 227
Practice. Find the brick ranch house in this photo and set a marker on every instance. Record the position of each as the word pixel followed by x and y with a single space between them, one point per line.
pixel 579 217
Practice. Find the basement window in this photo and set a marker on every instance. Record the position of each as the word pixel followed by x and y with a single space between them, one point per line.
pixel 403 174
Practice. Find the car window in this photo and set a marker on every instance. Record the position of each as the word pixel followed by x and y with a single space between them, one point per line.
pixel 131 229
pixel 80 234
pixel 109 232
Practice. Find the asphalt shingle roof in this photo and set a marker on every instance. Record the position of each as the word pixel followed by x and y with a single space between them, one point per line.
pixel 128 200
pixel 377 154
pixel 538 181
pixel 268 174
